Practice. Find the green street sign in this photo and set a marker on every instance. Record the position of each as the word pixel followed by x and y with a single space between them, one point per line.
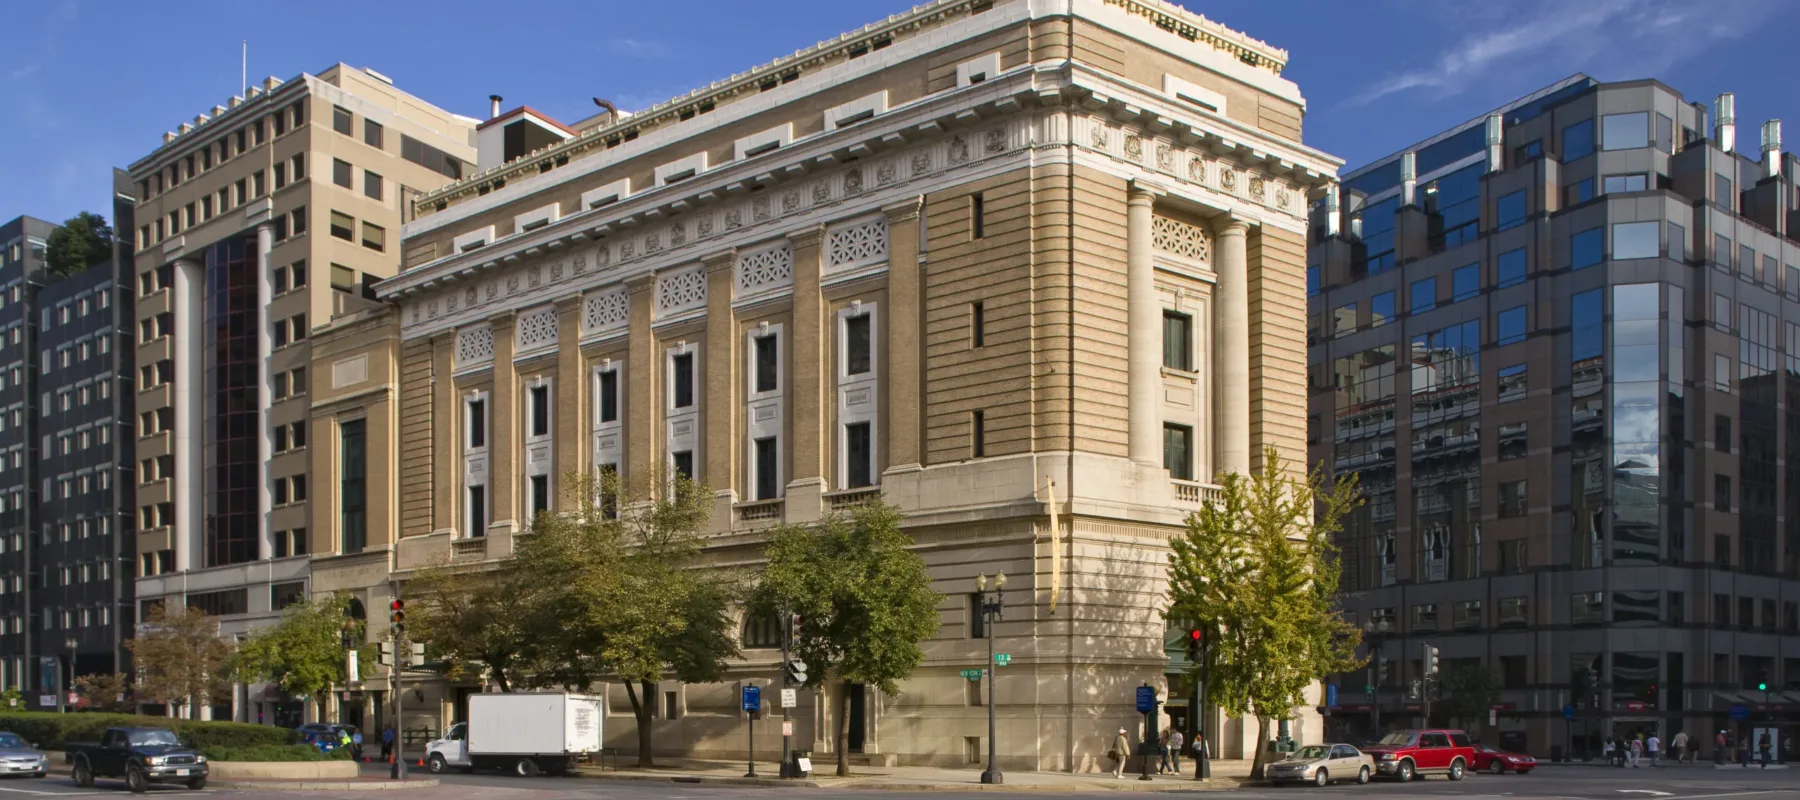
pixel 1002 659
pixel 972 674
pixel 1369 687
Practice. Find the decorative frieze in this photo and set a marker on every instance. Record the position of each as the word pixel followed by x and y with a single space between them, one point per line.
pixel 535 331
pixel 474 346
pixel 681 290
pixel 606 311
pixel 765 270
pixel 856 244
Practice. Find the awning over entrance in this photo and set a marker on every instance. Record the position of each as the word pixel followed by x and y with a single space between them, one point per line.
pixel 1728 699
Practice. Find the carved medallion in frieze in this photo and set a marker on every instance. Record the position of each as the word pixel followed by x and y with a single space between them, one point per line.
pixel 1165 158
pixel 734 218
pixel 884 173
pixel 853 181
pixel 821 193
pixel 959 149
pixel 996 141
pixel 1134 147
pixel 921 163
pixel 790 202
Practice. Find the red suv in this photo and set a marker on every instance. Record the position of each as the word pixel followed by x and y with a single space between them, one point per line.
pixel 1404 755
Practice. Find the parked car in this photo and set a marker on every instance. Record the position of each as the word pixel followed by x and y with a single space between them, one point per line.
pixel 1404 755
pixel 17 757
pixel 331 729
pixel 141 756
pixel 1500 762
pixel 1320 764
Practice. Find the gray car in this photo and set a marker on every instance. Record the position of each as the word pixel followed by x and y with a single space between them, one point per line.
pixel 1321 764
pixel 19 757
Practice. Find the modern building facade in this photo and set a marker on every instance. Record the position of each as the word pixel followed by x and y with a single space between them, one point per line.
pixel 66 579
pixel 1590 302
pixel 255 221
pixel 947 258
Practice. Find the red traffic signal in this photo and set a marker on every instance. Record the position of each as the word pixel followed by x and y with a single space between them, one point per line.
pixel 397 612
pixel 1197 636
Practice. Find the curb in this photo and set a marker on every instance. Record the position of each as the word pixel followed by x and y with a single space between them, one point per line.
pixel 325 785
pixel 866 784
pixel 707 780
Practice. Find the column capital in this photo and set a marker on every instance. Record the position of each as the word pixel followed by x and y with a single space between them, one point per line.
pixel 1231 225
pixel 567 303
pixel 641 284
pixel 905 210
pixel 503 320
pixel 809 236
pixel 721 260
pixel 1139 190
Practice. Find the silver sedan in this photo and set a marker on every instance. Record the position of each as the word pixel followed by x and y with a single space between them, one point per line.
pixel 18 757
pixel 1320 764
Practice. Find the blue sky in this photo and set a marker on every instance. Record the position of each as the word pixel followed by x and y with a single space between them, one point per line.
pixel 87 85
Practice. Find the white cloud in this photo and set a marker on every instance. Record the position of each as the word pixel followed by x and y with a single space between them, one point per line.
pixel 635 48
pixel 1546 39
pixel 24 72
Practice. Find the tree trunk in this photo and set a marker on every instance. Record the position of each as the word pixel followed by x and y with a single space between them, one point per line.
pixel 1262 748
pixel 641 709
pixel 843 732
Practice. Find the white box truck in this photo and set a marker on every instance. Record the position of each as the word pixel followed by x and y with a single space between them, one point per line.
pixel 525 733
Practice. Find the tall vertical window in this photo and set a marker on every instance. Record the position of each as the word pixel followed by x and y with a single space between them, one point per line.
pixel 475 422
pixel 683 367
pixel 341 172
pixel 540 495
pixel 540 410
pixel 977 216
pixel 1178 341
pixel 341 121
pixel 1587 248
pixel 977 434
pixel 683 463
pixel 768 469
pixel 857 347
pixel 353 485
pixel 477 511
pixel 977 325
pixel 768 363
pixel 609 396
pixel 1578 140
pixel 1178 448
pixel 859 449
pixel 372 133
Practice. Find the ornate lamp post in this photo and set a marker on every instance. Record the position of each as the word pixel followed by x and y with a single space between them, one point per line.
pixel 62 697
pixel 1375 632
pixel 990 612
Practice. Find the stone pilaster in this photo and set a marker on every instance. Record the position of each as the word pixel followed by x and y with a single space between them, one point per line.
pixel 265 392
pixel 503 437
pixel 904 338
pixel 722 373
pixel 642 414
pixel 1231 337
pixel 573 449
pixel 1144 317
pixel 446 438
pixel 806 359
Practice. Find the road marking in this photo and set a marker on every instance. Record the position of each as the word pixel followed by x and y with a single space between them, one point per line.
pixel 1645 791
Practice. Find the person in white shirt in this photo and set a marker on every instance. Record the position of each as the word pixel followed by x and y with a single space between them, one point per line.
pixel 1653 745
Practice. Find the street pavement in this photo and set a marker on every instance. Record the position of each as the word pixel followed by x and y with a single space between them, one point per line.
pixel 1550 782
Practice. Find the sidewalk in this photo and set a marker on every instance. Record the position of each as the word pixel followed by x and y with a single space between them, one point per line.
pixel 1697 764
pixel 1226 775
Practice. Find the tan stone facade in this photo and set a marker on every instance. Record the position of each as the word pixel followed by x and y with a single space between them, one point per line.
pixel 994 245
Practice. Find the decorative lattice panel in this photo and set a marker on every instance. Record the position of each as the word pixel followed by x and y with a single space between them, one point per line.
pixel 605 311
pixel 536 330
pixel 474 346
pixel 766 269
pixel 681 290
pixel 859 243
pixel 1178 238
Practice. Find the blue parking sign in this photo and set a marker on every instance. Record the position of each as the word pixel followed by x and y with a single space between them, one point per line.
pixel 1146 699
pixel 1740 713
pixel 752 698
pixel 1568 712
pixel 1331 695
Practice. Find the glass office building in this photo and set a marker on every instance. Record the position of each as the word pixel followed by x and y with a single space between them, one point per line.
pixel 1587 490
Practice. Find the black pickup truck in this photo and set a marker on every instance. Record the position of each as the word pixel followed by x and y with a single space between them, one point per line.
pixel 141 756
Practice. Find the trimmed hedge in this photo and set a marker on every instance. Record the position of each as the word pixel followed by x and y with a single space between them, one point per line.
pixel 272 752
pixel 51 730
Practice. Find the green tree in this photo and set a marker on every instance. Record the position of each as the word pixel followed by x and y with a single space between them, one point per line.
pixel 864 599
pixel 81 241
pixel 105 691
pixel 477 621
pixel 1258 569
pixel 180 657
pixel 304 652
pixel 1467 692
pixel 617 590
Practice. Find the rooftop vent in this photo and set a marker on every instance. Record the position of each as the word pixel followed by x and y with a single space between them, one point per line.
pixel 1725 121
pixel 1771 148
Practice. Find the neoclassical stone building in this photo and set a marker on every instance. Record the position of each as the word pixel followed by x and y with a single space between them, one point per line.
pixel 949 258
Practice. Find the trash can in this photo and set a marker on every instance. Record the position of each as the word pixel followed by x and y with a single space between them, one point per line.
pixel 1556 753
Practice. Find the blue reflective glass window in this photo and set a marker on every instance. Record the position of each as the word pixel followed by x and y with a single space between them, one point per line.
pixel 1509 325
pixel 1455 199
pixel 1586 312
pixel 1509 211
pixel 1381 308
pixel 1378 235
pixel 1312 281
pixel 1510 268
pixel 1587 248
pixel 1528 151
pixel 1424 295
pixel 1625 131
pixel 1578 140
pixel 1465 282
pixel 1578 192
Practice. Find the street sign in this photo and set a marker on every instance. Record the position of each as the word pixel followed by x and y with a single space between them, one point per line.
pixel 1493 717
pixel 1568 712
pixel 1330 694
pixel 972 674
pixel 787 727
pixel 1740 713
pixel 752 698
pixel 789 698
pixel 1369 688
pixel 1002 659
pixel 1146 699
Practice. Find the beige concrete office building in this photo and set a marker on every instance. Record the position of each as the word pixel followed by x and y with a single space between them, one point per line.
pixel 259 219
pixel 950 257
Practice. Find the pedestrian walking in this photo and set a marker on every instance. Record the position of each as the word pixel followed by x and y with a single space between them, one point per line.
pixel 1162 750
pixel 1719 749
pixel 1743 751
pixel 1121 749
pixel 1763 747
pixel 1607 751
pixel 356 751
pixel 387 742
pixel 1652 745
pixel 1679 747
pixel 1637 751
pixel 1175 742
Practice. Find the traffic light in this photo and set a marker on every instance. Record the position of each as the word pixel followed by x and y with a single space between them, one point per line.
pixel 1381 670
pixel 1196 645
pixel 397 617
pixel 796 671
pixel 1431 661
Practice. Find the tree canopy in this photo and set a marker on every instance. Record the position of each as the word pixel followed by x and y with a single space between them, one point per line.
pixel 303 653
pixel 1257 569
pixel 80 242
pixel 1466 692
pixel 864 600
pixel 180 657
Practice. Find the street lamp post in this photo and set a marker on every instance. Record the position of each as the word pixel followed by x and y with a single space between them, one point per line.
pixel 991 611
pixel 62 696
pixel 1200 650
pixel 1375 632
